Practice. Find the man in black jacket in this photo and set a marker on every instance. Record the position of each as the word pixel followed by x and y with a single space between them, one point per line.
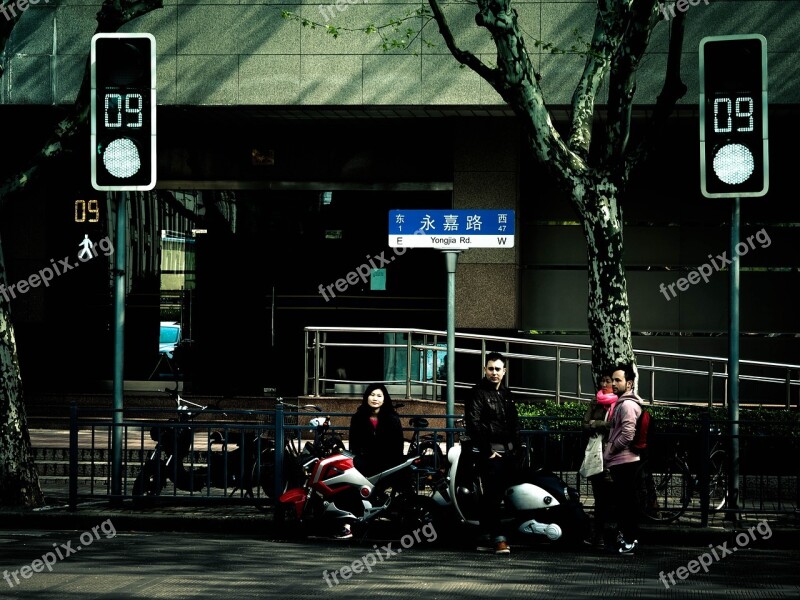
pixel 492 425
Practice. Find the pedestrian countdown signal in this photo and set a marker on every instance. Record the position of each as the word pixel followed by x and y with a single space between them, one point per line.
pixel 734 157
pixel 123 111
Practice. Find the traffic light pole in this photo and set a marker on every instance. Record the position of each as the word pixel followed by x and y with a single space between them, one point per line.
pixel 119 346
pixel 733 367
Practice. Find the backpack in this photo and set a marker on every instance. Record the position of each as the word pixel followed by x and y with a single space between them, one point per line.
pixel 644 425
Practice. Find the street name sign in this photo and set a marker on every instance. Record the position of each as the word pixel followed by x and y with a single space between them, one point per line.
pixel 446 229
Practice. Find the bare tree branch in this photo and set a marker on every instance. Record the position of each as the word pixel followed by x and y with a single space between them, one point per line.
pixel 517 84
pixel 463 56
pixel 598 61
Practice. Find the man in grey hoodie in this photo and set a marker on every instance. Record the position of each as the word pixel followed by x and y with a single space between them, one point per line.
pixel 622 463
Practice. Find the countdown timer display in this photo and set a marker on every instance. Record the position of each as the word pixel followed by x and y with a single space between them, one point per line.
pixel 734 156
pixel 123 106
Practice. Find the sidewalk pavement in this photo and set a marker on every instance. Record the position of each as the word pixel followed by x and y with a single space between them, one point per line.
pixel 224 517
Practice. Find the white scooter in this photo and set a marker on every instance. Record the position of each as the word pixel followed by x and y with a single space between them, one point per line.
pixel 539 506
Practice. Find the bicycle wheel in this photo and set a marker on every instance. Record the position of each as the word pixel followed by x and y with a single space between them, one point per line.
pixel 432 462
pixel 666 498
pixel 150 481
pixel 292 474
pixel 718 480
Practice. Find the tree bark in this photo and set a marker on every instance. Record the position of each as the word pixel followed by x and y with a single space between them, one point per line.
pixel 609 311
pixel 19 480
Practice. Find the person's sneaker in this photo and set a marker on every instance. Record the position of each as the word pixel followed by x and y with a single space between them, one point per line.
pixel 502 548
pixel 344 534
pixel 626 548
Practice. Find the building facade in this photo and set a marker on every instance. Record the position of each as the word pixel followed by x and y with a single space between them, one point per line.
pixel 281 150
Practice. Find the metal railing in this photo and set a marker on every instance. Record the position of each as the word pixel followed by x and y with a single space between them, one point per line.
pixel 538 368
pixel 767 485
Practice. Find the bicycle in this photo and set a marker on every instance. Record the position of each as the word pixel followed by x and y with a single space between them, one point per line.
pixel 428 447
pixel 667 492
pixel 232 455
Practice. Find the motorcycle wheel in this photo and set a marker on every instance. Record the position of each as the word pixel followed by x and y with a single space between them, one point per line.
pixel 423 512
pixel 575 526
pixel 286 525
pixel 148 482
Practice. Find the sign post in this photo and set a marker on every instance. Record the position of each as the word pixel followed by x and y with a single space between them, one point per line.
pixel 451 231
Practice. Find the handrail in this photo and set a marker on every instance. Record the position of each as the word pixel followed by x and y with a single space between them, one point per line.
pixel 565 383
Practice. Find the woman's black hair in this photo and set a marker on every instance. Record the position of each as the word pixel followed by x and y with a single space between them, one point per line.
pixel 388 407
pixel 604 372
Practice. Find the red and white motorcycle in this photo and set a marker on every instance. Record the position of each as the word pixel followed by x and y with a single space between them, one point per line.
pixel 336 494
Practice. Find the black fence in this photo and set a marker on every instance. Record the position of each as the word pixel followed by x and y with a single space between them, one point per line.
pixel 240 456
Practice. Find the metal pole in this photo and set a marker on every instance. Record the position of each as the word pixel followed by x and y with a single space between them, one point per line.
pixel 451 262
pixel 73 456
pixel 280 422
pixel 119 345
pixel 733 360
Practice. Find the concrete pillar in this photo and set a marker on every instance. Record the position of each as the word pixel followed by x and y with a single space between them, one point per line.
pixel 486 176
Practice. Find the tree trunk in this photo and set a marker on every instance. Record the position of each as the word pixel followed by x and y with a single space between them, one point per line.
pixel 19 480
pixel 609 312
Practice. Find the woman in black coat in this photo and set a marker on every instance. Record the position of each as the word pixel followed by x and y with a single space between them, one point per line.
pixel 376 435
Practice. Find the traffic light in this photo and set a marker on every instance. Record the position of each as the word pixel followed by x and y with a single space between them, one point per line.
pixel 123 118
pixel 734 157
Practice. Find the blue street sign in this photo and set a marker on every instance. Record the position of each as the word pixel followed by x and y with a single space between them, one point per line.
pixel 448 229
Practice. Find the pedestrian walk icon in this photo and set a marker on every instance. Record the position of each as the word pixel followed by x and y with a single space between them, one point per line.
pixel 86 247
